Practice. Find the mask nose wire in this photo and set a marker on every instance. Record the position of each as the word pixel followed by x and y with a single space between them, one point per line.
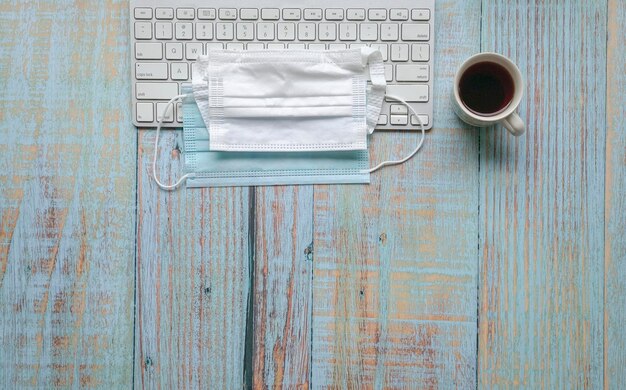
pixel 419 144
pixel 156 148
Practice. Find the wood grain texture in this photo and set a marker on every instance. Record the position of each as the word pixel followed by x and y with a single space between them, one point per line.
pixel 282 287
pixel 615 202
pixel 192 277
pixel 67 192
pixel 542 201
pixel 395 270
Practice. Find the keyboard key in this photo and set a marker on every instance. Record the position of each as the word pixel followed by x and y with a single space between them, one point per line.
pixel 168 116
pixel 399 52
pixel 151 71
pixel 143 30
pixel 420 14
pixel 145 112
pixel 163 30
pixel 291 14
pixel 213 46
pixel 399 119
pixel 275 46
pixel 415 31
pixel 270 14
pixel 369 31
pixel 156 91
pixel 148 51
pixel 143 13
pixel 382 47
pixel 204 31
pixel 337 46
pixel 382 119
pixel 234 46
pixel 357 45
pixel 412 73
pixel 193 50
pixel 165 13
pixel 224 31
pixel 286 31
pixel 249 14
pixel 313 14
pixel 334 14
pixel 228 13
pixel 388 72
pixel 265 31
pixel 424 119
pixel 306 31
pixel 256 46
pixel 185 13
pixel 388 32
pixel 347 31
pixel 410 93
pixel 377 14
pixel 327 31
pixel 420 52
pixel 296 46
pixel 399 14
pixel 174 51
pixel 245 31
pixel 355 14
pixel 398 109
pixel 179 71
pixel 317 46
pixel 184 31
pixel 206 13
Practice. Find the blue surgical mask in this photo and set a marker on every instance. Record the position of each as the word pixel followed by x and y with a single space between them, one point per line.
pixel 219 168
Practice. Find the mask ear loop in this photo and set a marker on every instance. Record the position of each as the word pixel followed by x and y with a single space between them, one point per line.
pixel 156 147
pixel 419 144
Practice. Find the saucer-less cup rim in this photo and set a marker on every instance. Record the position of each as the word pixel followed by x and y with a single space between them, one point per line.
pixel 517 81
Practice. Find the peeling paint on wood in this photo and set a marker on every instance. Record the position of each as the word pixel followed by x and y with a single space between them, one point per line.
pixel 67 192
pixel 283 271
pixel 542 201
pixel 615 202
pixel 192 277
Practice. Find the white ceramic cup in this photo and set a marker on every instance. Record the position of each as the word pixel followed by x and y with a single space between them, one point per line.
pixel 508 117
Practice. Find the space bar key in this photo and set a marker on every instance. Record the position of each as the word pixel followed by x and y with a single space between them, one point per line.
pixel 156 91
pixel 410 93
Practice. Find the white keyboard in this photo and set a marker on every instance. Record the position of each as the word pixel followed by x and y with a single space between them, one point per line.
pixel 168 35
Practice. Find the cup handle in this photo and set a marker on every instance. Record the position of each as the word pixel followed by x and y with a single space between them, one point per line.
pixel 514 124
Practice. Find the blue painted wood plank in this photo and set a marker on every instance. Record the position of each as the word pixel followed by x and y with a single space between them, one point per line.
pixel 542 201
pixel 282 287
pixel 395 262
pixel 615 207
pixel 193 259
pixel 67 195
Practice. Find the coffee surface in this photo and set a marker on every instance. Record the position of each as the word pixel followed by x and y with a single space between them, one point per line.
pixel 486 88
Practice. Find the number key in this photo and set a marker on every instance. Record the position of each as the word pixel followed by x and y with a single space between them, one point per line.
pixel 327 31
pixel 224 31
pixel 306 31
pixel 184 31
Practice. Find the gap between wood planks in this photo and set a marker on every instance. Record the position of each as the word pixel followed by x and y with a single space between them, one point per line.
pixel 248 357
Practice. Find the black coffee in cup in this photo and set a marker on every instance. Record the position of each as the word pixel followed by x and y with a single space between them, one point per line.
pixel 486 88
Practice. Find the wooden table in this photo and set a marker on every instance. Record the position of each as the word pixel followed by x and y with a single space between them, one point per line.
pixel 486 261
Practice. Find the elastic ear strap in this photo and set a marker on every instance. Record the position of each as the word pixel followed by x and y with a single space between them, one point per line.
pixel 156 147
pixel 419 144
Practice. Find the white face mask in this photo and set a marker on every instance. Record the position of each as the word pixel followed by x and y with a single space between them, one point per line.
pixel 289 101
